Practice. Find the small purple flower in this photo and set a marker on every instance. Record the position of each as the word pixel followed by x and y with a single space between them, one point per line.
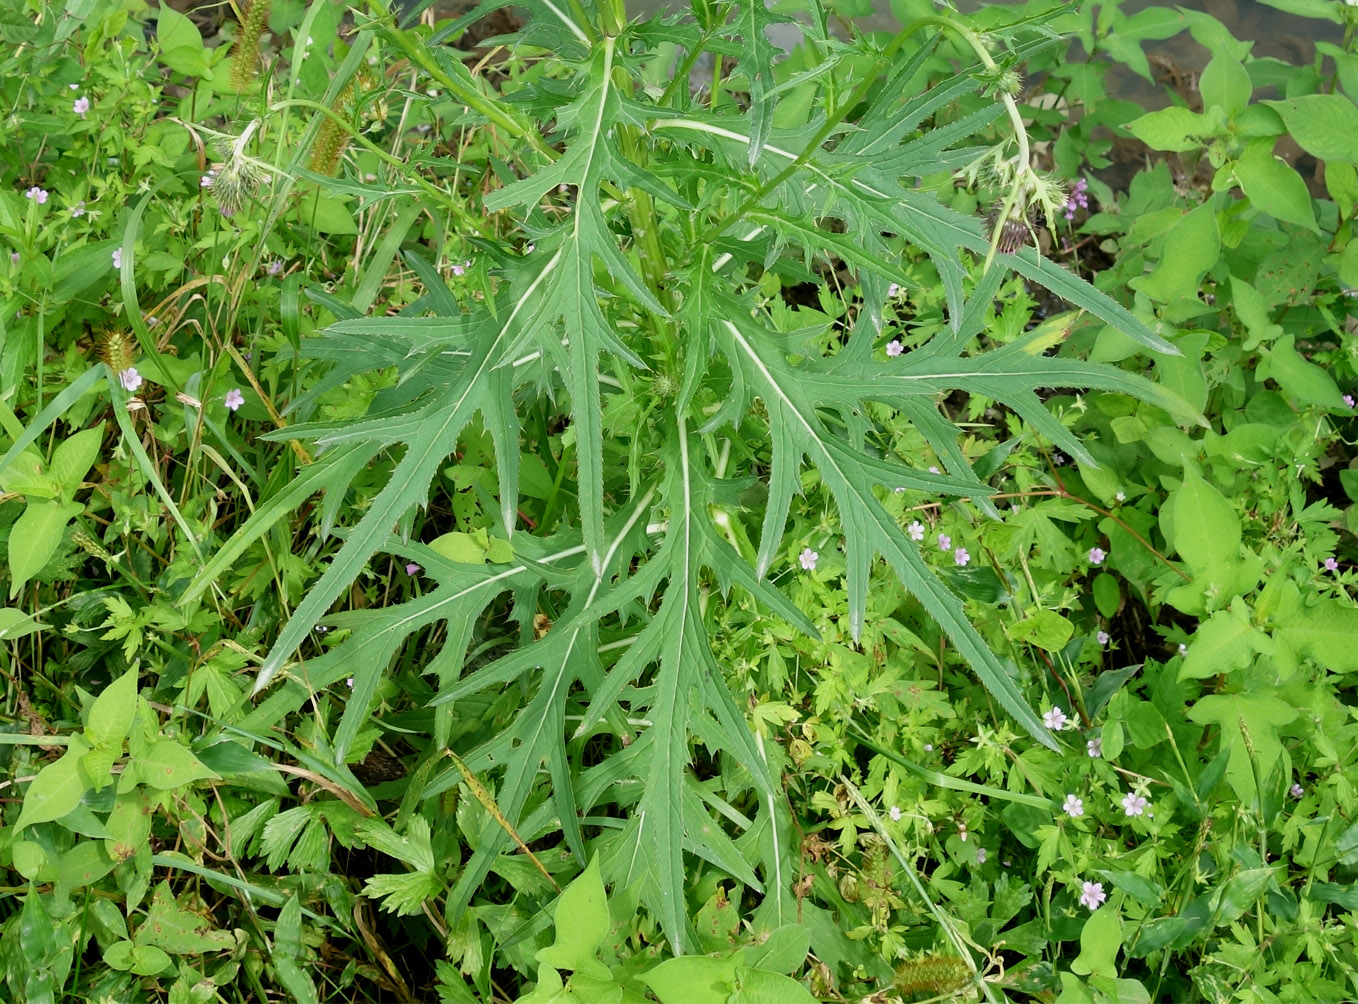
pixel 916 530
pixel 412 569
pixel 14 257
pixel 38 195
pixel 234 399
pixel 892 290
pixel 1058 458
pixel 1073 806
pixel 933 469
pixel 1134 804
pixel 944 542
pixel 80 106
pixel 117 257
pixel 961 556
pixel 1348 400
pixel 1092 894
pixel 1077 199
pixel 275 266
pixel 207 180
pixel 78 210
pixel 1296 791
pixel 130 379
pixel 1331 565
pixel 808 558
pixel 460 269
pixel 349 683
pixel 1055 719
pixel 1103 637
pixel 1094 747
pixel 894 347
pixel 1096 555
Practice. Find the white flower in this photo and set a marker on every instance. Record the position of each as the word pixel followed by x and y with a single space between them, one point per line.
pixel 1073 806
pixel 1103 637
pixel 1094 747
pixel 130 379
pixel 117 257
pixel 944 542
pixel 1092 894
pixel 894 347
pixel 895 813
pixel 916 530
pixel 808 558
pixel 1055 719
pixel 1134 804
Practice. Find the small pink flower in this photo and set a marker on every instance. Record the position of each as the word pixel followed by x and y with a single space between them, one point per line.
pixel 961 556
pixel 1296 791
pixel 1331 565
pixel 78 210
pixel 1055 719
pixel 460 269
pixel 1094 747
pixel 1348 400
pixel 130 379
pixel 412 569
pixel 349 683
pixel 234 399
pixel 1073 806
pixel 892 290
pixel 80 106
pixel 808 558
pixel 14 257
pixel 1103 637
pixel 1092 894
pixel 934 470
pixel 117 257
pixel 275 267
pixel 894 347
pixel 1096 555
pixel 928 747
pixel 38 195
pixel 1134 804
pixel 944 542
pixel 207 180
pixel 916 530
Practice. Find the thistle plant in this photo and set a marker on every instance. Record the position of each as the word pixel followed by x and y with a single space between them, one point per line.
pixel 647 321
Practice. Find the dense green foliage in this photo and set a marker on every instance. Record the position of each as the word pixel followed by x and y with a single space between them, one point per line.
pixel 443 493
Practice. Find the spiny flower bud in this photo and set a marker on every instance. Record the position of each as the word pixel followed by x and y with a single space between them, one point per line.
pixel 933 973
pixel 86 541
pixel 1014 229
pixel 115 349
pixel 333 137
pixel 245 56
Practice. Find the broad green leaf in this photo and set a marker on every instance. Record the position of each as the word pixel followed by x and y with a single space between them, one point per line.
pixel 179 931
pixel 1326 631
pixel 1249 729
pixel 1274 187
pixel 1046 629
pixel 34 538
pixel 755 986
pixel 1100 941
pixel 1176 129
pixel 56 790
pixel 167 764
pixel 1324 125
pixel 1206 529
pixel 1301 379
pixel 1190 249
pixel 693 979
pixel 582 922
pixel 111 714
pixel 16 623
pixel 1224 643
pixel 74 458
pixel 1225 84
pixel 181 45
